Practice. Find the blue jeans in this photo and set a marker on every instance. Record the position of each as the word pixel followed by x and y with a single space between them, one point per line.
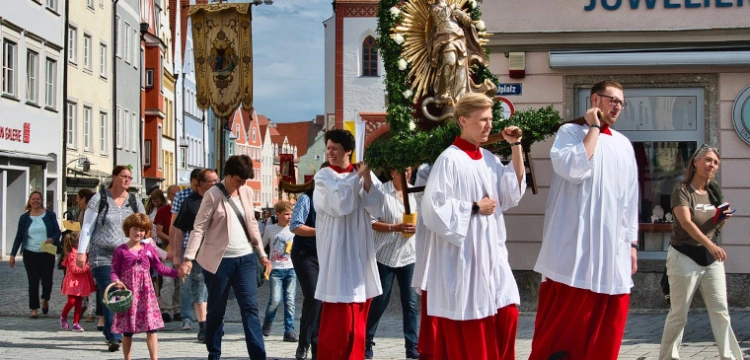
pixel 408 303
pixel 101 276
pixel 192 291
pixel 286 280
pixel 238 273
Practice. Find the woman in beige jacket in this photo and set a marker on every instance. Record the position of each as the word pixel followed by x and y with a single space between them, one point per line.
pixel 224 240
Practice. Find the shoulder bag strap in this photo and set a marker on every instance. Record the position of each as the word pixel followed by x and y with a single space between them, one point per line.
pixel 236 210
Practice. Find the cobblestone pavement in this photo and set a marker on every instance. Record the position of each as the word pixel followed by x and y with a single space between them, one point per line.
pixel 22 338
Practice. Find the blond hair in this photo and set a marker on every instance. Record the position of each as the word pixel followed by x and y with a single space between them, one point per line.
pixel 69 242
pixel 28 202
pixel 282 206
pixel 470 103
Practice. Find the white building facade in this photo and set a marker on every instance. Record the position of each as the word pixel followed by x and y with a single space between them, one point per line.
pixel 31 106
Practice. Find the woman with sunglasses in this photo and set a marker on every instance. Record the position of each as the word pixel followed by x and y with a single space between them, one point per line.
pixel 694 260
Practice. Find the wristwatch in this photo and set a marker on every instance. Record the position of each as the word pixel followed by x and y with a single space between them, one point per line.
pixel 474 208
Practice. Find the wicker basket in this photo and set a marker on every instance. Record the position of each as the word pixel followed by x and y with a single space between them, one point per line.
pixel 123 304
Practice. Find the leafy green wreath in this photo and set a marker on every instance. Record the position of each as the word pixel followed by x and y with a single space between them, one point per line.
pixel 407 144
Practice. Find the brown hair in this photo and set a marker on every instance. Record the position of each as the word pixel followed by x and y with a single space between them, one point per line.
pixel 601 86
pixel 470 103
pixel 282 206
pixel 70 241
pixel 116 171
pixel 85 194
pixel 157 193
pixel 595 90
pixel 28 202
pixel 239 165
pixel 140 221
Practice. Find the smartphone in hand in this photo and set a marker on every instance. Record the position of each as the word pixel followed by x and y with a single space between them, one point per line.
pixel 720 215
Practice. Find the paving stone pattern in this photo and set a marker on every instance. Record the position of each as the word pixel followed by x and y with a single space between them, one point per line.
pixel 23 338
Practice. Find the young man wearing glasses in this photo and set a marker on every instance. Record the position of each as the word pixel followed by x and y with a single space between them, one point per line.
pixel 589 246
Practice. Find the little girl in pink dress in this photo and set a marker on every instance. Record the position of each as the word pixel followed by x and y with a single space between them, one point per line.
pixel 131 263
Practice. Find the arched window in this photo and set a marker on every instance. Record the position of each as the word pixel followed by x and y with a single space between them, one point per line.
pixel 369 57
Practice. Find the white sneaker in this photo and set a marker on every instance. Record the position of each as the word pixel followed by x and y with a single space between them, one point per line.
pixel 187 324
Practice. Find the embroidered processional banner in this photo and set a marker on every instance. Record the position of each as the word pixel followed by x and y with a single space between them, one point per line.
pixel 223 45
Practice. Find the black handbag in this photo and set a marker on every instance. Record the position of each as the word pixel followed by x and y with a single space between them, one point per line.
pixel 259 268
pixel 665 285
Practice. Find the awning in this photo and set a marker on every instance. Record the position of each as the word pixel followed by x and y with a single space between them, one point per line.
pixel 26 156
pixel 645 58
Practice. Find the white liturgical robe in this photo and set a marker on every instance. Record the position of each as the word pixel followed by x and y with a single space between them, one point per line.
pixel 421 240
pixel 592 213
pixel 468 275
pixel 343 226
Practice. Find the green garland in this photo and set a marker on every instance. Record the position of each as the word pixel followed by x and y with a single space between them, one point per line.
pixel 407 145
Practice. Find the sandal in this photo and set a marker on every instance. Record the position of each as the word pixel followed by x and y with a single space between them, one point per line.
pixel 34 314
pixel 45 307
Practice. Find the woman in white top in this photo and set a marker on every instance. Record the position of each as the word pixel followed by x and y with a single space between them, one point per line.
pixel 394 252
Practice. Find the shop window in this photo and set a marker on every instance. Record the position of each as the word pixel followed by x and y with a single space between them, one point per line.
pixel 665 127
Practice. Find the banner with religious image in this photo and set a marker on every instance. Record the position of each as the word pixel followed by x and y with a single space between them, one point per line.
pixel 222 38
pixel 286 168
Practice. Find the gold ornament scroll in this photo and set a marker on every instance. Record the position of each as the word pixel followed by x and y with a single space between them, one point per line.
pixel 223 50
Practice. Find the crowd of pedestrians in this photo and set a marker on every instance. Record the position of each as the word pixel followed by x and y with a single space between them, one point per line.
pixel 349 238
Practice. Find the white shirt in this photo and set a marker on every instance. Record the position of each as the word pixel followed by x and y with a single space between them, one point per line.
pixel 468 274
pixel 391 248
pixel 278 237
pixel 239 244
pixel 421 235
pixel 346 251
pixel 592 213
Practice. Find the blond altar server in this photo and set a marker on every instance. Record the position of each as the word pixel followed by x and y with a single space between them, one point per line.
pixel 471 288
pixel 345 198
pixel 590 231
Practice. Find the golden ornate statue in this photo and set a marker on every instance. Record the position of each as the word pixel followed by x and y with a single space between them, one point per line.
pixel 441 44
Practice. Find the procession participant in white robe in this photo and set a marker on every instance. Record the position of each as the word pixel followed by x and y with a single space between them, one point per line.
pixel 472 290
pixel 427 323
pixel 344 200
pixel 589 246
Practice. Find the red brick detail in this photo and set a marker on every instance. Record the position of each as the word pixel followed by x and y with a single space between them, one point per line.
pixel 360 10
pixel 375 125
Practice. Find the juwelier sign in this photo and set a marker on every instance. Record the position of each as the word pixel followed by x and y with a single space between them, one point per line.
pixel 741 115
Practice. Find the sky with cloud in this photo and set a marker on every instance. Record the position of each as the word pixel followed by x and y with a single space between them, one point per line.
pixel 288 51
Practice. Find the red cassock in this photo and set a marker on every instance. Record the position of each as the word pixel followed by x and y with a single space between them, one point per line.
pixel 590 328
pixel 342 330
pixel 491 338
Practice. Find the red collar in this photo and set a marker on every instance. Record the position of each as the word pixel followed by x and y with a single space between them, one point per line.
pixel 604 129
pixel 341 170
pixel 474 152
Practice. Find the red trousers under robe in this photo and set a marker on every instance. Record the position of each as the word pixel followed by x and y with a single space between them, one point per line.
pixel 427 332
pixel 491 338
pixel 585 324
pixel 342 330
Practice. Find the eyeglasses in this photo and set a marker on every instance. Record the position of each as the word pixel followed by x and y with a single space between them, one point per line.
pixel 126 177
pixel 706 147
pixel 615 101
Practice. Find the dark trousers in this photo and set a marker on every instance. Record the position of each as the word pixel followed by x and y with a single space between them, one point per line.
pixel 408 302
pixel 39 268
pixel 101 276
pixel 238 273
pixel 306 266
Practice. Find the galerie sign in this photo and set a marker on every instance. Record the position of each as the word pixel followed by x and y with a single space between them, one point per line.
pixel 741 115
pixel 15 134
